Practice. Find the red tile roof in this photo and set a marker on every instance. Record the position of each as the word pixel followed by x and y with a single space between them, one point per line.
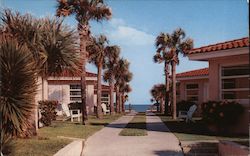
pixel 238 43
pixel 193 73
pixel 76 74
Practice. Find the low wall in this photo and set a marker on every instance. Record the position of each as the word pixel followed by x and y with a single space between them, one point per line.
pixel 227 148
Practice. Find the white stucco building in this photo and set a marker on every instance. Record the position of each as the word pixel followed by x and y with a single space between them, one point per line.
pixel 66 89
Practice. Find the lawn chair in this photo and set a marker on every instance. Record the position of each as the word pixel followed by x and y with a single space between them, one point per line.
pixel 190 113
pixel 104 108
pixel 75 113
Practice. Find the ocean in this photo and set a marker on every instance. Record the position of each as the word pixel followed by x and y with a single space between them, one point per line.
pixel 138 108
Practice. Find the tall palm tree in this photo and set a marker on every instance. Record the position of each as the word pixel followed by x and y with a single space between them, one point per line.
pixel 158 93
pixel 162 55
pixel 177 43
pixel 84 11
pixel 121 74
pixel 109 76
pixel 98 52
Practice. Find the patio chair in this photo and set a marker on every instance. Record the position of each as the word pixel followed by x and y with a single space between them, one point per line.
pixel 104 108
pixel 190 113
pixel 75 113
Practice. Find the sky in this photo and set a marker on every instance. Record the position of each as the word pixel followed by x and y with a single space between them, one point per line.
pixel 136 23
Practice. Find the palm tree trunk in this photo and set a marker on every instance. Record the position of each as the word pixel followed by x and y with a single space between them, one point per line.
pixel 167 87
pixel 83 30
pixel 112 111
pixel 120 102
pixel 117 99
pixel 99 91
pixel 123 103
pixel 162 104
pixel 174 88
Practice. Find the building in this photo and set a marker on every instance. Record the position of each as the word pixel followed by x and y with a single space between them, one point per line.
pixel 226 78
pixel 66 89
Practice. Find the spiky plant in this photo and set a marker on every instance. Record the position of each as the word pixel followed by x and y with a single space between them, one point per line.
pixel 18 88
pixel 60 47
pixel 84 11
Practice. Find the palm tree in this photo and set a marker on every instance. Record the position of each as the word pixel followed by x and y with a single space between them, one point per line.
pixel 84 11
pixel 51 44
pixel 122 75
pixel 98 52
pixel 18 83
pixel 158 93
pixel 109 76
pixel 124 89
pixel 162 55
pixel 177 43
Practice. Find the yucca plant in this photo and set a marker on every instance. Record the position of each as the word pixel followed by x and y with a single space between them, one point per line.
pixel 18 88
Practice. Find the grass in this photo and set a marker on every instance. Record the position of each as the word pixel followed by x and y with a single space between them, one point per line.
pixel 197 131
pixel 47 142
pixel 136 127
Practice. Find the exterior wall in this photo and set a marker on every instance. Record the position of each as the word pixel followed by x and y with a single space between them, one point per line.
pixel 214 72
pixel 59 92
pixel 202 97
pixel 90 99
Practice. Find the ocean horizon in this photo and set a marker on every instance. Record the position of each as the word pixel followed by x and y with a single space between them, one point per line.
pixel 138 107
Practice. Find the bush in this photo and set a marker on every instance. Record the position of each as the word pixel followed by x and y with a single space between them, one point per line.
pixel 221 113
pixel 184 105
pixel 48 111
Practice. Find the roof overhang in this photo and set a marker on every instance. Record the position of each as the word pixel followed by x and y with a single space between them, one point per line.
pixel 217 54
pixel 191 78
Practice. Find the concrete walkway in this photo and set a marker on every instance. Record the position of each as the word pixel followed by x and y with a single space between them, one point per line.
pixel 158 142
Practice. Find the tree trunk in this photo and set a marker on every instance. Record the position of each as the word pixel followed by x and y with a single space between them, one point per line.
pixel 167 88
pixel 117 99
pixel 111 94
pixel 123 103
pixel 120 102
pixel 162 104
pixel 99 92
pixel 174 89
pixel 84 32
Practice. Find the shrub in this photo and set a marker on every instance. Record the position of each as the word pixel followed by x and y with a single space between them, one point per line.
pixel 18 86
pixel 184 105
pixel 48 111
pixel 221 113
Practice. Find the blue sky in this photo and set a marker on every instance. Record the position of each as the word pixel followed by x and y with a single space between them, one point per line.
pixel 136 23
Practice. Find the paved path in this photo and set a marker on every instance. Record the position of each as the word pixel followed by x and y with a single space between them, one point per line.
pixel 158 142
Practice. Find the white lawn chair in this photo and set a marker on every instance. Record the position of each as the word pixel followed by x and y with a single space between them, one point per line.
pixel 75 113
pixel 190 113
pixel 104 108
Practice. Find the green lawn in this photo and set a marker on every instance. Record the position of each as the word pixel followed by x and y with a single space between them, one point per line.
pixel 47 142
pixel 136 127
pixel 196 131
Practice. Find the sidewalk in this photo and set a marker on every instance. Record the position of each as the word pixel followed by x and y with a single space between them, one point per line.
pixel 158 142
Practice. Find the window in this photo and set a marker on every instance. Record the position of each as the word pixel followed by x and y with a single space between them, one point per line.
pixel 105 98
pixel 75 86
pixel 192 92
pixel 75 93
pixel 235 82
